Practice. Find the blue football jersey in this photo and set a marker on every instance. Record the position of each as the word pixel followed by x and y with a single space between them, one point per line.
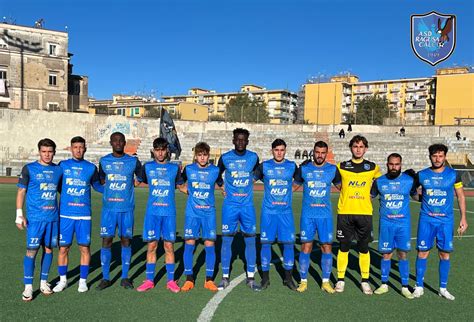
pixel 78 176
pixel 162 179
pixel 316 182
pixel 118 174
pixel 41 183
pixel 438 193
pixel 238 179
pixel 201 184
pixel 394 197
pixel 277 181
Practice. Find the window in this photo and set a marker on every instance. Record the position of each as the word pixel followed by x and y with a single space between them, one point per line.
pixel 53 49
pixel 52 107
pixel 52 79
pixel 3 44
pixel 3 73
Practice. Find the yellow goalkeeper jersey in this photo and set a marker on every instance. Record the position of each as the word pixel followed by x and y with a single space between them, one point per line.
pixel 356 181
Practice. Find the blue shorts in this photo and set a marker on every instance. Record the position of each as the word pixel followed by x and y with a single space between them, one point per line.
pixel 156 227
pixel 394 236
pixel 112 219
pixel 429 230
pixel 232 215
pixel 69 226
pixel 281 225
pixel 207 226
pixel 41 233
pixel 323 226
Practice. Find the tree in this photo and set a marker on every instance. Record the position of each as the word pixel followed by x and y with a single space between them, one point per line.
pixel 244 108
pixel 372 110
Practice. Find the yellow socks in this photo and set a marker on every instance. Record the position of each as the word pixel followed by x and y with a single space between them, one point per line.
pixel 342 261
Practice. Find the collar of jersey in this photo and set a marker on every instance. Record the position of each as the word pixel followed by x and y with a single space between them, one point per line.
pixel 240 154
pixel 357 161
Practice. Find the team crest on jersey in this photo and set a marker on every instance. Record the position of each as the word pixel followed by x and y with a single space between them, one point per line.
pixel 193 176
pixel 231 165
pixel 309 175
pixel 366 166
pixel 270 172
pixel 77 172
pixel 67 172
pixel 426 182
pixel 39 176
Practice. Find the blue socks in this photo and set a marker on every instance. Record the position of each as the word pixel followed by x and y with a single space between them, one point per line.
pixel 444 265
pixel 420 271
pixel 266 256
pixel 304 265
pixel 62 270
pixel 404 269
pixel 226 254
pixel 210 260
pixel 326 266
pixel 126 259
pixel 250 255
pixel 385 266
pixel 188 259
pixel 288 256
pixel 84 271
pixel 150 271
pixel 28 269
pixel 46 261
pixel 169 272
pixel 105 257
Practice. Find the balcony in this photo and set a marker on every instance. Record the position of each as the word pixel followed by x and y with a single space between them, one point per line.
pixel 395 89
pixel 415 108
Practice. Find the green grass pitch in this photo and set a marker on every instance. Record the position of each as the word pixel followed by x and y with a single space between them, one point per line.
pixel 276 303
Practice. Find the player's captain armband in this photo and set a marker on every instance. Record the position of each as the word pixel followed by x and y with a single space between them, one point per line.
pixel 19 217
pixel 458 185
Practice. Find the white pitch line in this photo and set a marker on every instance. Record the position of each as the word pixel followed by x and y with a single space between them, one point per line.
pixel 208 312
pixel 211 307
